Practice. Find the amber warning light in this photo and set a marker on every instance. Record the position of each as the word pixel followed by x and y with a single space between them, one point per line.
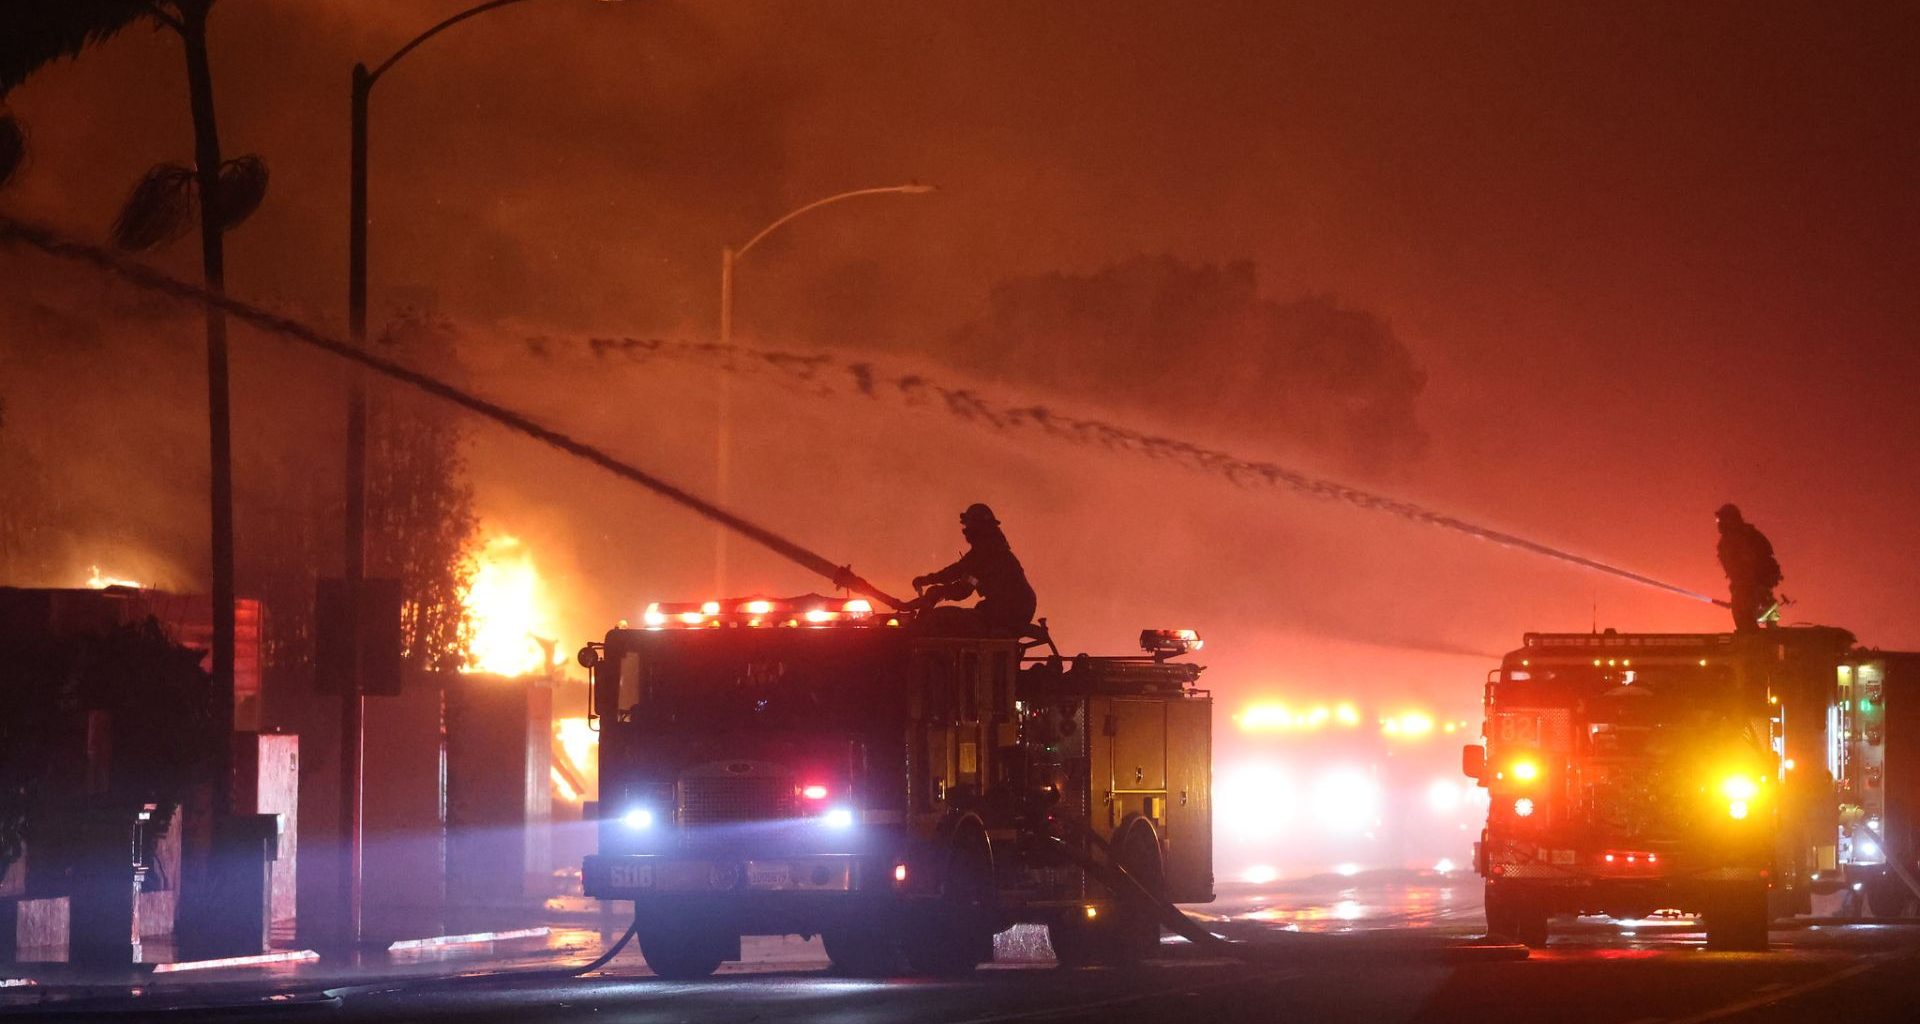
pixel 1169 643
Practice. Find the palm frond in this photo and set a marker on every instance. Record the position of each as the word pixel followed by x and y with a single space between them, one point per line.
pixel 243 184
pixel 13 147
pixel 159 210
pixel 34 33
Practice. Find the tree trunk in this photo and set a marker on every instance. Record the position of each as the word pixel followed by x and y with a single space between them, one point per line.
pixel 206 155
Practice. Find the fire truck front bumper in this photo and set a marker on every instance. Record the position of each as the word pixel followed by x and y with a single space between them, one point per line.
pixel 642 877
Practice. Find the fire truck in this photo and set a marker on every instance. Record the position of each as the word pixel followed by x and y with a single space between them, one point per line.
pixel 810 766
pixel 1735 776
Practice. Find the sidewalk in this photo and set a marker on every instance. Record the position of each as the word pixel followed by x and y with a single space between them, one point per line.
pixel 286 975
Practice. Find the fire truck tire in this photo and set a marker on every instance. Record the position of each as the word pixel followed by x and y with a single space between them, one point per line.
pixel 956 935
pixel 1516 916
pixel 684 955
pixel 1737 918
pixel 1138 927
pixel 1076 941
pixel 1887 896
pixel 863 952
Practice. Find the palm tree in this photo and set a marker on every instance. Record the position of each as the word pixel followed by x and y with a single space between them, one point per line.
pixel 162 207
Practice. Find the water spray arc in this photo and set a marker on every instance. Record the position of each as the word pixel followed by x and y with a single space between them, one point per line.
pixel 819 370
pixel 815 370
pixel 47 241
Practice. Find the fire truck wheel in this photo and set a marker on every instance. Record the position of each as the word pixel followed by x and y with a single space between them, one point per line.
pixel 679 955
pixel 1077 942
pixel 956 935
pixel 1737 918
pixel 1138 927
pixel 1887 896
pixel 1517 917
pixel 862 952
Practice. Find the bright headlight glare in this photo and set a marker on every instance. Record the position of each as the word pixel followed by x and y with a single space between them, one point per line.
pixel 839 817
pixel 638 819
pixel 1737 809
pixel 1739 787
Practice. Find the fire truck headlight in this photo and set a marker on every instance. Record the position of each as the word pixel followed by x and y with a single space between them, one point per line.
pixel 1739 787
pixel 638 819
pixel 838 818
pixel 1523 807
pixel 1737 809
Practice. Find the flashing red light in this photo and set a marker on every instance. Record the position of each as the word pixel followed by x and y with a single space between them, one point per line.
pixel 814 792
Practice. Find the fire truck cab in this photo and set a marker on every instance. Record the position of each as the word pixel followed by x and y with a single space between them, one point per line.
pixel 810 767
pixel 1730 775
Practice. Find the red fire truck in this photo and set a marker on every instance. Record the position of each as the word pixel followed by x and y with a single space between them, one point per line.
pixel 1731 775
pixel 809 766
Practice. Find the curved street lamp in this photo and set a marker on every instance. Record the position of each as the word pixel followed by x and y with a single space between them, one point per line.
pixel 728 257
pixel 352 738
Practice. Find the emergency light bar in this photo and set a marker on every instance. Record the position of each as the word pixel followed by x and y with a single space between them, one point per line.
pixel 1170 643
pixel 811 610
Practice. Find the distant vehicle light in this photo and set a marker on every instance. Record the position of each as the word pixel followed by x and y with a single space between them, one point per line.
pixel 838 818
pixel 1443 866
pixel 815 792
pixel 710 608
pixel 819 615
pixel 653 616
pixel 759 607
pixel 691 618
pixel 1346 800
pixel 899 872
pixel 1093 912
pixel 638 819
pixel 1443 796
pixel 858 606
pixel 1523 807
pixel 1409 725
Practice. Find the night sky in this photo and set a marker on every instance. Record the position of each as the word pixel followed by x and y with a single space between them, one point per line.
pixel 1639 259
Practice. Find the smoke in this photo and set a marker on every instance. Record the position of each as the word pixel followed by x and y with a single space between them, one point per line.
pixel 817 372
pixel 1163 335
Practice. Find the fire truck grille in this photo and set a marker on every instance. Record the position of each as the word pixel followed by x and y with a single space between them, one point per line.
pixel 723 798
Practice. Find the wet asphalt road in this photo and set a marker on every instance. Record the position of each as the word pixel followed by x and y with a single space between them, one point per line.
pixel 1393 966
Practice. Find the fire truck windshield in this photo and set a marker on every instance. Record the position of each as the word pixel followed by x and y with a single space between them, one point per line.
pixel 788 681
pixel 1645 711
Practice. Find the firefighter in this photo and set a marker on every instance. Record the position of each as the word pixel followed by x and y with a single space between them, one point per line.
pixel 989 569
pixel 1752 571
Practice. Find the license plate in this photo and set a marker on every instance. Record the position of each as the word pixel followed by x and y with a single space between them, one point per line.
pixel 769 876
pixel 629 875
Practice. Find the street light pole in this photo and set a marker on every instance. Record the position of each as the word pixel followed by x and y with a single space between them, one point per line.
pixel 723 445
pixel 353 698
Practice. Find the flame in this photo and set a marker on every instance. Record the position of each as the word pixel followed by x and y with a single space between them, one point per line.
pixel 503 605
pixel 575 769
pixel 100 581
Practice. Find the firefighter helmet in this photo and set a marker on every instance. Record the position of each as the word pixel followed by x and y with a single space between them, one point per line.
pixel 978 514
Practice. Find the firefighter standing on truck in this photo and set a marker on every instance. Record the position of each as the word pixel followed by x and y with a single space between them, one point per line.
pixel 1752 571
pixel 989 569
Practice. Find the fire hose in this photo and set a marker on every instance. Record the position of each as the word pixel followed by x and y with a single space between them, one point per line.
pixel 1128 889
